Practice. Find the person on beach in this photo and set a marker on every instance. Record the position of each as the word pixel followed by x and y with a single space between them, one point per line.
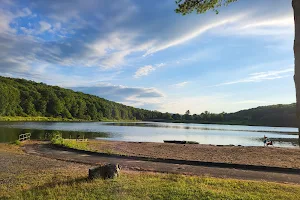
pixel 265 140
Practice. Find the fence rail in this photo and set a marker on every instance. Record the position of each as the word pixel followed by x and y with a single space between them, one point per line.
pixel 25 136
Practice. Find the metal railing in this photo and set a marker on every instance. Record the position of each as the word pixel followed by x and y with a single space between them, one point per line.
pixel 24 136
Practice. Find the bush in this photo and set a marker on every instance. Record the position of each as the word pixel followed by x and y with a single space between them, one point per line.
pixel 57 139
pixel 16 142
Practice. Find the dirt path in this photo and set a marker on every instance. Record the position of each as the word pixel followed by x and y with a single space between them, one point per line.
pixel 46 150
pixel 258 156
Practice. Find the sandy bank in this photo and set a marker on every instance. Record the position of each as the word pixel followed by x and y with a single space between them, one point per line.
pixel 265 156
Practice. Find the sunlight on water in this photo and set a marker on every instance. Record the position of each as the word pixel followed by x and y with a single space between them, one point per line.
pixel 155 132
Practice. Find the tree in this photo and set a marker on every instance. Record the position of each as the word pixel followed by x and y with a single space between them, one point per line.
pixel 187 112
pixel 201 6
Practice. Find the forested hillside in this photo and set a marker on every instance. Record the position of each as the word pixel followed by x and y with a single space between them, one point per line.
pixel 20 97
pixel 274 115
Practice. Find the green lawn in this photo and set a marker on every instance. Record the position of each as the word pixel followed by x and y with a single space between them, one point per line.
pixel 24 176
pixel 161 186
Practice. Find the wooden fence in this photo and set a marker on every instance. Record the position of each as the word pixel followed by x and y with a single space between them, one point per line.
pixel 25 136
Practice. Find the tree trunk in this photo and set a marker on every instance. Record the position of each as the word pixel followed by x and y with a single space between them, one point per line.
pixel 296 7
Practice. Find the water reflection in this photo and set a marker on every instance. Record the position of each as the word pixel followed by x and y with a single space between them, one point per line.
pixel 12 134
pixel 286 130
pixel 153 132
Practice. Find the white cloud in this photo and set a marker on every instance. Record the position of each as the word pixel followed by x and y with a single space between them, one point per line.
pixel 7 17
pixel 180 85
pixel 144 71
pixel 160 65
pixel 132 96
pixel 44 26
pixel 193 34
pixel 262 76
pixel 110 51
pixel 279 26
pixel 282 21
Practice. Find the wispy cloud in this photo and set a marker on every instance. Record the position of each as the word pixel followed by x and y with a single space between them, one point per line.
pixel 44 26
pixel 134 96
pixel 262 76
pixel 195 33
pixel 282 21
pixel 269 25
pixel 160 65
pixel 180 85
pixel 144 71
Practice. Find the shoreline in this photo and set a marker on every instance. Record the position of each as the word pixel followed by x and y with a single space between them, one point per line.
pixel 55 119
pixel 59 119
pixel 217 123
pixel 249 155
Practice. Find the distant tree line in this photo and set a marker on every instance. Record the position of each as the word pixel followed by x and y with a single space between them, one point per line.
pixel 19 97
pixel 275 115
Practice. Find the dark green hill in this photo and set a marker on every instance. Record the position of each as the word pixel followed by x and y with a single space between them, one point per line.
pixel 274 115
pixel 21 97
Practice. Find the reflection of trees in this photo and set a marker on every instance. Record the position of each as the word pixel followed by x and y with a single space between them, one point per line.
pixel 12 134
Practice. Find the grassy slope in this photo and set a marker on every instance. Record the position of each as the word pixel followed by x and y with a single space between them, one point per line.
pixel 30 177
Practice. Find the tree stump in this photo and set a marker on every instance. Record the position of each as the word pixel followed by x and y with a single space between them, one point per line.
pixel 108 171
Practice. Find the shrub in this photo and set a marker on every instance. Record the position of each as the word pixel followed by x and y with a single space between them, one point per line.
pixel 16 142
pixel 57 139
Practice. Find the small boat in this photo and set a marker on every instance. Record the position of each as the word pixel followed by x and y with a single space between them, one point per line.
pixel 180 142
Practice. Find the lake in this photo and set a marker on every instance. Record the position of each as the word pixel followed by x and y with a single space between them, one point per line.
pixel 154 132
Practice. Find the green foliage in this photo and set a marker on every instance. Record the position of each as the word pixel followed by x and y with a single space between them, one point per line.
pixel 16 142
pixel 57 139
pixel 9 100
pixel 20 97
pixel 200 6
pixel 75 144
pixel 70 143
pixel 274 115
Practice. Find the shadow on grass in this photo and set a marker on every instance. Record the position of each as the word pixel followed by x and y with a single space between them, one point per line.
pixel 61 183
pixel 50 185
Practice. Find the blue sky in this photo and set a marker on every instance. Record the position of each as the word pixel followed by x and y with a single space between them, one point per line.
pixel 141 53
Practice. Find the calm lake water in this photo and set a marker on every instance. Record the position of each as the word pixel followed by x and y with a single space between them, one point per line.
pixel 154 132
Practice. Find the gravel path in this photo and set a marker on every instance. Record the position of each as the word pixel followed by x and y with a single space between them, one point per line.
pixel 45 150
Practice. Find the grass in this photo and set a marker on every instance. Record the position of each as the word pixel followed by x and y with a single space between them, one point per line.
pixel 159 186
pixel 29 177
pixel 78 144
pixel 55 119
pixel 16 142
pixel 70 143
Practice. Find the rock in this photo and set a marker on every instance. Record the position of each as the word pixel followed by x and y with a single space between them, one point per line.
pixel 105 171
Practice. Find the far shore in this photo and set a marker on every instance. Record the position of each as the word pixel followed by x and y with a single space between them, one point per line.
pixel 60 119
pixel 54 119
